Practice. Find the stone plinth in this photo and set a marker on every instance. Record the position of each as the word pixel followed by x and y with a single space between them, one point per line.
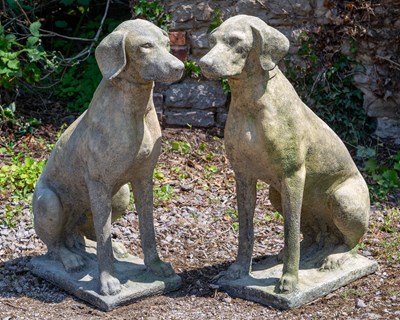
pixel 136 281
pixel 313 283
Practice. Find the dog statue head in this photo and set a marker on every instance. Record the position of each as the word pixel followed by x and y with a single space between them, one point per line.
pixel 139 50
pixel 233 41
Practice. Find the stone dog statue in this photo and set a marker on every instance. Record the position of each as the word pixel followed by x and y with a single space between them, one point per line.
pixel 273 136
pixel 116 141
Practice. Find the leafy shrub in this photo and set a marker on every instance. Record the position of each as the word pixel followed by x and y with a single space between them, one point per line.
pixel 326 85
pixel 23 60
pixel 19 177
pixel 152 11
pixel 216 20
pixel 384 176
pixel 192 68
pixel 79 84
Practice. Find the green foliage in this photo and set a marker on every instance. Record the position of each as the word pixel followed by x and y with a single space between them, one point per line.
pixel 179 173
pixel 384 176
pixel 210 170
pixel 23 60
pixel 158 174
pixel 216 21
pixel 80 80
pixel 273 216
pixel 20 176
pixel 365 152
pixel 181 147
pixel 7 115
pixel 225 85
pixel 60 59
pixel 163 194
pixel 152 11
pixel 192 68
pixel 390 225
pixel 261 185
pixel 328 88
pixel 10 214
pixel 9 119
pixel 79 84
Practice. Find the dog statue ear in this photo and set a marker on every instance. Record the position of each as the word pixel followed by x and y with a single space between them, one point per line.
pixel 273 45
pixel 110 54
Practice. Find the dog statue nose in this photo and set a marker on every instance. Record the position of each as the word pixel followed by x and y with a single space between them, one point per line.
pixel 205 66
pixel 203 62
pixel 176 68
pixel 178 65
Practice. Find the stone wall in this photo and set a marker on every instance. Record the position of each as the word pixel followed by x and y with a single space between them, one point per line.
pixel 202 103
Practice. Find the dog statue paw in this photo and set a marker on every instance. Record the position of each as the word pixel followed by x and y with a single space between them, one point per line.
pixel 109 285
pixel 160 268
pixel 236 271
pixel 287 283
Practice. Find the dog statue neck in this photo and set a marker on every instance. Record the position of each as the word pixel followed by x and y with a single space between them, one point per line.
pixel 130 87
pixel 129 93
pixel 251 84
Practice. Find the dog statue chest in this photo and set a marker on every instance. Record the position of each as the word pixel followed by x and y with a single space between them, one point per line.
pixel 244 140
pixel 149 144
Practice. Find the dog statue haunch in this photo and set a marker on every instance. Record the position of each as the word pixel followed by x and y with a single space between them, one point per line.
pixel 115 142
pixel 273 136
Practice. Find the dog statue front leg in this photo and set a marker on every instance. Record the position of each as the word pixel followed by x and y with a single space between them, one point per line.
pixel 143 192
pixel 292 197
pixel 246 201
pixel 100 200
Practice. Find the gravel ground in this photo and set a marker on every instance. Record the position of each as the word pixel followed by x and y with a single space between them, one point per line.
pixel 196 226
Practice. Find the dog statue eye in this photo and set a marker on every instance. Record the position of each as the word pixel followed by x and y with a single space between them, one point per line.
pixel 233 41
pixel 147 45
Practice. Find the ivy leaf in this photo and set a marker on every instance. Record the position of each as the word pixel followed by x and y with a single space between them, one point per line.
pixel 30 43
pixel 138 11
pixel 34 28
pixel 391 176
pixel 371 166
pixel 365 152
pixel 13 64
pixel 34 54
pixel 13 4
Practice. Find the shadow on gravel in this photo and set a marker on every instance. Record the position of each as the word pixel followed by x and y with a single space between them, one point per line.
pixel 200 282
pixel 17 281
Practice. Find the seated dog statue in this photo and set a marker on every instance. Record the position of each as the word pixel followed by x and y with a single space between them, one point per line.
pixel 273 136
pixel 115 142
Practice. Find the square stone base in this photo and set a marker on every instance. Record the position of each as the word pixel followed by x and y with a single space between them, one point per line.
pixel 313 283
pixel 135 280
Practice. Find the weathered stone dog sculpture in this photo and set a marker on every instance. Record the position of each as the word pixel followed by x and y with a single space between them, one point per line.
pixel 116 141
pixel 272 135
